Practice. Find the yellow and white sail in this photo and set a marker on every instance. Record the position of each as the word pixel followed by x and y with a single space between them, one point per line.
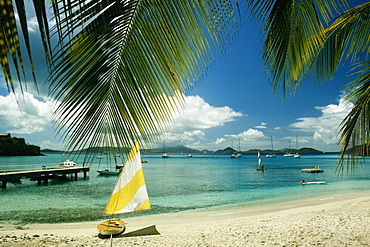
pixel 130 193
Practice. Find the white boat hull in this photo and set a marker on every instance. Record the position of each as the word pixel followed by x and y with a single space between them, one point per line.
pixel 270 155
pixel 319 182
pixel 312 170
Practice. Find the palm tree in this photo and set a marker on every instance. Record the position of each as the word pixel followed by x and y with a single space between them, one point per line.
pixel 313 38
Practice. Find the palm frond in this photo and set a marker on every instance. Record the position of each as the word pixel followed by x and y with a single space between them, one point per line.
pixel 121 76
pixel 289 49
pixel 12 59
pixel 10 44
pixel 346 38
pixel 355 133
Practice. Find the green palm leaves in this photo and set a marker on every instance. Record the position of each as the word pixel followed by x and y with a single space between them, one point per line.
pixel 12 59
pixel 297 43
pixel 121 76
pixel 355 137
pixel 292 42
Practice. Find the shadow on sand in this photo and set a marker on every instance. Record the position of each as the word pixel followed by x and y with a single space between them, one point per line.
pixel 150 230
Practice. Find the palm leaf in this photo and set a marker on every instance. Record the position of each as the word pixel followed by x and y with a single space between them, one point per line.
pixel 291 43
pixel 121 76
pixel 355 135
pixel 346 39
pixel 11 56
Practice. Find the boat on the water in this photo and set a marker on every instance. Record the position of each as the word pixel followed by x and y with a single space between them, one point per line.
pixel 316 182
pixel 165 155
pixel 238 155
pixel 314 169
pixel 260 167
pixel 108 172
pixel 297 155
pixel 271 155
pixel 129 195
pixel 67 164
pixel 289 154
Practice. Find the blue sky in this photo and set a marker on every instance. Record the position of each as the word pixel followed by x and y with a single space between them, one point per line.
pixel 233 102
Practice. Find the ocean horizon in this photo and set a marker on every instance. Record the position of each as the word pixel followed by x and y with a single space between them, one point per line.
pixel 176 184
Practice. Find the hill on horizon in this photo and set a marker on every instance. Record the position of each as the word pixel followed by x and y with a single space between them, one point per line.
pixel 185 150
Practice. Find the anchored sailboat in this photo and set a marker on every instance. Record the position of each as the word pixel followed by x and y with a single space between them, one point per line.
pixel 129 194
pixel 271 155
pixel 297 155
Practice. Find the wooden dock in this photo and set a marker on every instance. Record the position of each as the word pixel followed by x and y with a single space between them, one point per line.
pixel 42 174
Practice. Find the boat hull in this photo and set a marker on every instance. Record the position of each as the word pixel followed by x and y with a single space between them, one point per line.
pixel 320 182
pixel 312 170
pixel 261 169
pixel 111 227
pixel 165 155
pixel 108 172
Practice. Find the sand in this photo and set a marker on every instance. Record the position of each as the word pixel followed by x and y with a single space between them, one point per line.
pixel 334 221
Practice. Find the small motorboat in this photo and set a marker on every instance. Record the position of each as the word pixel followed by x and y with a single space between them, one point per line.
pixel 318 182
pixel 67 164
pixel 314 169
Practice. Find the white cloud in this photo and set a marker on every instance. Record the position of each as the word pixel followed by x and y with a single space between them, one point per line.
pixel 250 134
pixel 26 116
pixel 325 127
pixel 261 126
pixel 198 116
pixel 32 25
pixel 220 141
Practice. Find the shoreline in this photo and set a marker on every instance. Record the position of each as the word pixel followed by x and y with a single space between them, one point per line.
pixel 338 220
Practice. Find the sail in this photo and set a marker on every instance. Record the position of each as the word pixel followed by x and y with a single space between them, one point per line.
pixel 130 193
pixel 259 158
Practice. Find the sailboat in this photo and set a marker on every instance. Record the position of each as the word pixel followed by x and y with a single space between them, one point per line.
pixel 238 155
pixel 164 155
pixel 260 166
pixel 271 155
pixel 190 155
pixel 289 154
pixel 129 195
pixel 108 170
pixel 296 155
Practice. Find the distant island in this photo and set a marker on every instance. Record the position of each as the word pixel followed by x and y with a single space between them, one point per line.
pixel 228 150
pixel 13 146
pixel 185 150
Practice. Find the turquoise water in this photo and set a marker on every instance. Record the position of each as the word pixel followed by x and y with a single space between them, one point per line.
pixel 176 184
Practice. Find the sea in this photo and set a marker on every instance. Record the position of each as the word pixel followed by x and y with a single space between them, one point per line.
pixel 176 184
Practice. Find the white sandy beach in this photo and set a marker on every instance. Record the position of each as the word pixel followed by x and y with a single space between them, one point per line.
pixel 334 221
